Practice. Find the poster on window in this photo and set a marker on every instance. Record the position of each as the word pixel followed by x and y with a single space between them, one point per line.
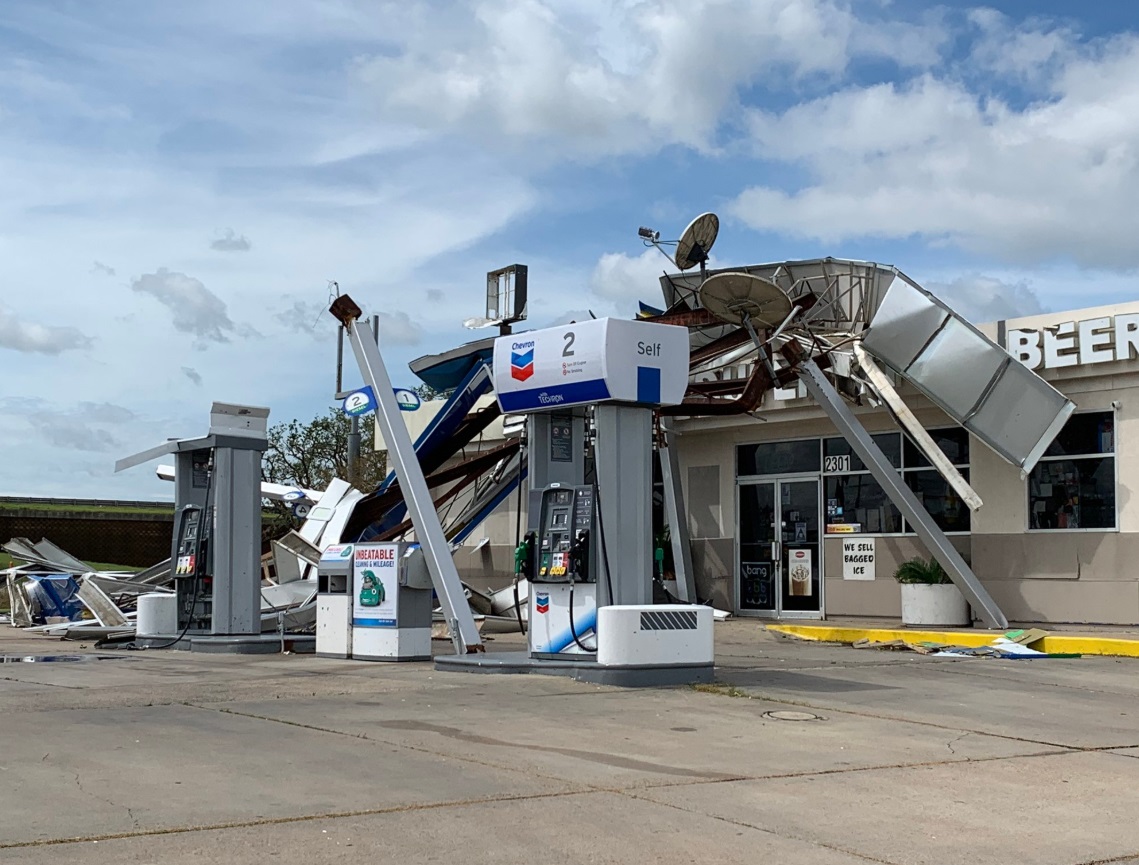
pixel 755 586
pixel 799 573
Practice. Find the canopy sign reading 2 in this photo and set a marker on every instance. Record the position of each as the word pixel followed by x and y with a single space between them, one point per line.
pixel 604 360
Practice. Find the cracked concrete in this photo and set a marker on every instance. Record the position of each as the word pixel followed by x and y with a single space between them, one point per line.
pixel 177 758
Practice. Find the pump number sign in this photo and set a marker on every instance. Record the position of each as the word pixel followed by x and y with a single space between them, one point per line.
pixel 375 585
pixel 602 360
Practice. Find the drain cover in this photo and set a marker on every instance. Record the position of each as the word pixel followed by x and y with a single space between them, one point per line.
pixel 791 716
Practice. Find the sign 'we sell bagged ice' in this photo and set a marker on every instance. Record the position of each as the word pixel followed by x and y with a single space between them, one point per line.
pixel 603 360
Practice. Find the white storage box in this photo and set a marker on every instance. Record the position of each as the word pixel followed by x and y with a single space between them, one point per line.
pixel 658 635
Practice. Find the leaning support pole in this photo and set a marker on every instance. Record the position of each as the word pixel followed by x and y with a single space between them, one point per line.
pixel 922 439
pixel 675 513
pixel 421 507
pixel 901 495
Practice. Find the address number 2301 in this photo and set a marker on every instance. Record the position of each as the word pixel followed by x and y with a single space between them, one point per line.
pixel 836 464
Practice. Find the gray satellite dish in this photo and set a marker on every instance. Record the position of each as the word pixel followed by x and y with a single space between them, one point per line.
pixel 696 242
pixel 740 298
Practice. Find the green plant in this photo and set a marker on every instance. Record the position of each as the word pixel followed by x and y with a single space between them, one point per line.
pixel 919 570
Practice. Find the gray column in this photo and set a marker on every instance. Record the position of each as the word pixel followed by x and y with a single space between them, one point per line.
pixel 625 487
pixel 236 541
pixel 677 516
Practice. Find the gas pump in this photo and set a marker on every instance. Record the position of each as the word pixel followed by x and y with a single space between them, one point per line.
pixel 193 580
pixel 563 596
pixel 590 390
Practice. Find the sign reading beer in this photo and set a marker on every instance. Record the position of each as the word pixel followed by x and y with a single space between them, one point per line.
pixel 1077 343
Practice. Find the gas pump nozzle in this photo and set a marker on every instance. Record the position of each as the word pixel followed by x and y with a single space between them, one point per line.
pixel 579 557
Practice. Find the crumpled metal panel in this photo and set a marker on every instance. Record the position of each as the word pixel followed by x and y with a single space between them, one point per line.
pixel 976 382
pixel 847 292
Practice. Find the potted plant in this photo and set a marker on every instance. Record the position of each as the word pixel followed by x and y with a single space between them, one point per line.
pixel 929 596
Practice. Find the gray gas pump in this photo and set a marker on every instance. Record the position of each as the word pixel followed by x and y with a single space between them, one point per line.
pixel 215 550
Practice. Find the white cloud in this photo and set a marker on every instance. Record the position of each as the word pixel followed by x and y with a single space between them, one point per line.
pixel 621 277
pixel 26 336
pixel 613 77
pixel 985 298
pixel 231 242
pixel 303 317
pixel 397 328
pixel 193 375
pixel 931 159
pixel 196 309
pixel 104 269
pixel 83 428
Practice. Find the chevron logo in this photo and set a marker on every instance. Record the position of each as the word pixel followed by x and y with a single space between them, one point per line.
pixel 542 603
pixel 522 364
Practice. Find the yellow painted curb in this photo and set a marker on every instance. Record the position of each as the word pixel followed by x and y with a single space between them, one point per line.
pixel 1075 644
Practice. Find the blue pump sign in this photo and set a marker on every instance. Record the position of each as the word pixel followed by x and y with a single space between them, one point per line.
pixel 363 401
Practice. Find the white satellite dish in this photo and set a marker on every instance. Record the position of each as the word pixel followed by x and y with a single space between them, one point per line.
pixel 696 243
pixel 740 298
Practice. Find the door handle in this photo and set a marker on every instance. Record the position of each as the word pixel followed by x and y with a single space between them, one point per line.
pixel 776 551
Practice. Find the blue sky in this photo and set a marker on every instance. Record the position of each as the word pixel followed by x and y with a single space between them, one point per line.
pixel 178 182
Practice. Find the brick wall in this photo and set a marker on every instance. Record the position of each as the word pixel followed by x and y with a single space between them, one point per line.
pixel 139 540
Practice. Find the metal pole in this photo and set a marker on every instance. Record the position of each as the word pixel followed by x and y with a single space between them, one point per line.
pixel 420 506
pixel 922 439
pixel 677 519
pixel 901 495
pixel 353 448
pixel 339 360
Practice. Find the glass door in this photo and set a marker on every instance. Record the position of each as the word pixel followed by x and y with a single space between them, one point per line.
pixel 800 592
pixel 757 578
pixel 780 568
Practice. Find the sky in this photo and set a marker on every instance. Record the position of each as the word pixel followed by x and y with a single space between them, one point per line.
pixel 180 182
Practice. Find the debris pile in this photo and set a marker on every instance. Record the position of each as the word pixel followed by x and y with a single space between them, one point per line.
pixel 1013 645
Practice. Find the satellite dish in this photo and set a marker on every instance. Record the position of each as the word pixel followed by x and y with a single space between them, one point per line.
pixel 696 242
pixel 740 297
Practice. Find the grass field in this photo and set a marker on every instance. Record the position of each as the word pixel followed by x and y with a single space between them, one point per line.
pixel 55 507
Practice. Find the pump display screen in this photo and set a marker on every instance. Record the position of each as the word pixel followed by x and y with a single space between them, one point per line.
pixel 563 544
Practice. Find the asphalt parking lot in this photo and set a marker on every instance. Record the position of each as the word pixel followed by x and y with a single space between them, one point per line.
pixel 799 753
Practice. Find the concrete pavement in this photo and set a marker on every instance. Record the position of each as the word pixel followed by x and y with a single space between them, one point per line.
pixel 169 757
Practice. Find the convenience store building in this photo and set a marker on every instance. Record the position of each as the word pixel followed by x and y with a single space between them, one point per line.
pixel 783 496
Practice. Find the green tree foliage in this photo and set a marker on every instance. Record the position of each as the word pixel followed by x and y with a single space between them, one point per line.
pixel 311 454
pixel 427 393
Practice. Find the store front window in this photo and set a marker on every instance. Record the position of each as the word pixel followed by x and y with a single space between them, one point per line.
pixel 1073 485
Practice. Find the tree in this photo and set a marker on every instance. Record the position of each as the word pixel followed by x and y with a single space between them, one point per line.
pixel 427 393
pixel 311 454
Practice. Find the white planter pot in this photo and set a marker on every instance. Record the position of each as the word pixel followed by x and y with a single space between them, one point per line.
pixel 941 605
